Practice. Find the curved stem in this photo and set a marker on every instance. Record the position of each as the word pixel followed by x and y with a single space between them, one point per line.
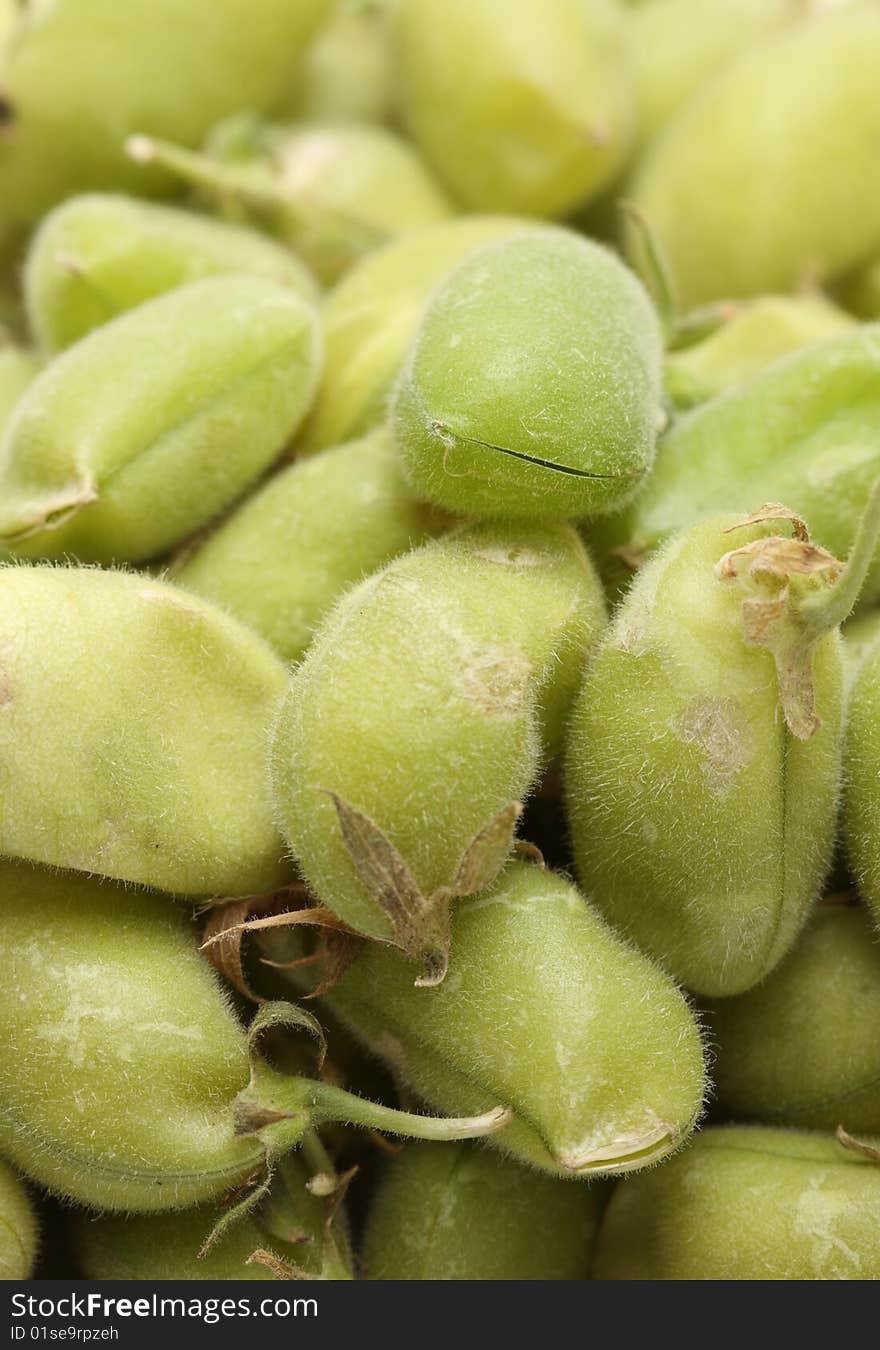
pixel 333 1103
pixel 828 609
pixel 253 185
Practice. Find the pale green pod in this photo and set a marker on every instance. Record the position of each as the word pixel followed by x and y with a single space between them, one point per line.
pixel 801 1049
pixel 802 432
pixel 290 1225
pixel 861 804
pixel 421 717
pixel 757 333
pixel 99 255
pixel 766 178
pixel 77 76
pixel 369 318
pixel 678 45
pixel 747 1203
pixel 126 1081
pixel 520 105
pixel 17 369
pixel 18 1223
pixel 346 74
pixel 281 561
pixel 149 427
pixel 547 1009
pixel 133 728
pixel 332 193
pixel 704 753
pixel 452 1212
pixel 860 636
pixel 532 384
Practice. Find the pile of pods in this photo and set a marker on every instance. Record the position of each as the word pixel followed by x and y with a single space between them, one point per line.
pixel 439 677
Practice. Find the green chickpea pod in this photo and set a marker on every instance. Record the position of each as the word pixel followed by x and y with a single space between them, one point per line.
pixel 346 74
pixel 332 193
pixel 449 1212
pixel 520 105
pixel 77 76
pixel 369 318
pixel 801 1048
pixel 419 719
pixel 861 803
pixel 98 255
pixel 281 561
pixel 18 1228
pixel 704 750
pixel 154 423
pixel 126 1081
pixel 747 1203
pixel 765 178
pixel 532 386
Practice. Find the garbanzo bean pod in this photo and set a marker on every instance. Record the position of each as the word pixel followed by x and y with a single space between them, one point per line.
pixel 861 803
pixel 420 718
pixel 18 1228
pixel 704 750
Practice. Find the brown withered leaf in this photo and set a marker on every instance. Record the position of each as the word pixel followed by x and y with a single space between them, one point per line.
pixel 488 852
pixel 859 1146
pixel 382 870
pixel 221 939
pixel 338 951
pixel 774 511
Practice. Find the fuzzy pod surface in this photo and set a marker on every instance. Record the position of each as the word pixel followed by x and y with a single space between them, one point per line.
pixel 17 369
pixel 100 254
pixel 520 105
pixel 802 432
pixel 758 333
pixel 765 180
pixel 679 45
pixel 532 384
pixel 18 1228
pixel 546 1009
pixel 121 1055
pixel 133 726
pixel 285 556
pixel 702 824
pixel 333 193
pixel 290 1224
pixel 801 1049
pixel 78 75
pixel 861 802
pixel 451 1212
pixel 142 432
pixel 422 715
pixel 369 317
pixel 746 1203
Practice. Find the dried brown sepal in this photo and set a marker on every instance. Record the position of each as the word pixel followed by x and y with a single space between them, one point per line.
pixel 765 569
pixel 524 849
pixel 281 1269
pixel 221 939
pixel 384 1144
pixel 419 923
pixel 338 951
pixel 859 1146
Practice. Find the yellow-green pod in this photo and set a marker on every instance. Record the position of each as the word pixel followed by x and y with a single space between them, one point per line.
pixel 18 1223
pixel 757 333
pixel 369 318
pixel 99 255
pixel 765 180
pixel 332 193
pixel 861 803
pixel 860 635
pixel 704 749
pixel 678 45
pixel 133 727
pixel 801 1049
pixel 531 388
pixel 346 74
pixel 802 432
pixel 149 427
pixel 17 369
pixel 126 1081
pixel 547 1009
pixel 77 76
pixel 520 105
pixel 421 717
pixel 453 1212
pixel 285 556
pixel 290 1225
pixel 747 1203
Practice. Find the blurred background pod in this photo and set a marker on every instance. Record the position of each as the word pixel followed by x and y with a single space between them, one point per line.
pixel 746 1203
pixel 18 1221
pixel 454 1212
pixel 77 76
pixel 346 73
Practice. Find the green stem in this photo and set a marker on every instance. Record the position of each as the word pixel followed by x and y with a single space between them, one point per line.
pixel 656 273
pixel 333 1103
pixel 253 185
pixel 828 609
